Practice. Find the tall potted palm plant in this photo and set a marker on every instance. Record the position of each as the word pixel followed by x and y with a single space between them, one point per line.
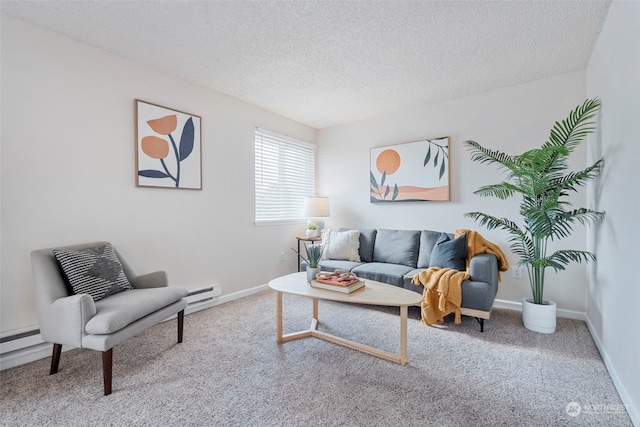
pixel 541 177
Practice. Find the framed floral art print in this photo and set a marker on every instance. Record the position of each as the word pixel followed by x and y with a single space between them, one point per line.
pixel 168 147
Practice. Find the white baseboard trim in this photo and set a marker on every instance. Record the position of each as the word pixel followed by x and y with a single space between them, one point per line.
pixel 228 298
pixel 560 312
pixel 37 349
pixel 632 409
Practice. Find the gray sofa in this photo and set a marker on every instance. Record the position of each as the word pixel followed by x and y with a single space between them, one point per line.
pixel 395 256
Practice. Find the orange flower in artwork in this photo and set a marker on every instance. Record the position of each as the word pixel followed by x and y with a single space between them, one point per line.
pixel 164 125
pixel 155 147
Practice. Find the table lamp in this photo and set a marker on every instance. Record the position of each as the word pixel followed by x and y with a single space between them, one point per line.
pixel 315 208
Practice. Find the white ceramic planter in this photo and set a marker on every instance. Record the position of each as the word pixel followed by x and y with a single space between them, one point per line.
pixel 311 273
pixel 539 317
pixel 313 233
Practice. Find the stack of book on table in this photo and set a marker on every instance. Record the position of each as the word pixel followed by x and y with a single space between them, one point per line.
pixel 339 284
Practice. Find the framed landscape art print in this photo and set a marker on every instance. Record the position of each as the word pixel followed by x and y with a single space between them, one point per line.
pixel 168 147
pixel 410 172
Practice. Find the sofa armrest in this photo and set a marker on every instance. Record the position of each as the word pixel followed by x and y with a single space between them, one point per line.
pixel 157 279
pixel 484 268
pixel 63 321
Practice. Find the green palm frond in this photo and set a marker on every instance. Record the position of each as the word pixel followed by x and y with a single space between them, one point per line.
pixel 523 249
pixel 583 216
pixel 502 191
pixel 570 132
pixel 573 180
pixel 484 155
pixel 492 222
pixel 560 259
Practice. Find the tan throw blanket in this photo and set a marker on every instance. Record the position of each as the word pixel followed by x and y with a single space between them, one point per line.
pixel 443 286
pixel 442 293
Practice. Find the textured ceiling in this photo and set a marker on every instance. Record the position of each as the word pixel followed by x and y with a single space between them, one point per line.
pixel 325 63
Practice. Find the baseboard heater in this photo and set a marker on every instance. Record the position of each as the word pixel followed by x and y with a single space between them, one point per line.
pixel 203 297
pixel 19 340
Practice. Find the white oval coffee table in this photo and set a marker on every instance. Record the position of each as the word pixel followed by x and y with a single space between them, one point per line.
pixel 373 293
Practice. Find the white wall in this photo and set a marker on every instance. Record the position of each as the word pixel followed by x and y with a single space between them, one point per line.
pixel 68 171
pixel 613 316
pixel 512 119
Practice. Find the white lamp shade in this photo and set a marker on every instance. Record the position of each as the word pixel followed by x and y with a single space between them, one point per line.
pixel 316 207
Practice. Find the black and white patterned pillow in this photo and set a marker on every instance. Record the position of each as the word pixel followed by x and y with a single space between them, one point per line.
pixel 94 271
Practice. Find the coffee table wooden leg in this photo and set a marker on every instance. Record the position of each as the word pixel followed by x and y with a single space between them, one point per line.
pixel 403 335
pixel 279 316
pixel 280 337
pixel 314 319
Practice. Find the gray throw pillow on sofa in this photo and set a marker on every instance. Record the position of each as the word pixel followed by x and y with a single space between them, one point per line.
pixel 428 240
pixel 397 247
pixel 367 237
pixel 449 253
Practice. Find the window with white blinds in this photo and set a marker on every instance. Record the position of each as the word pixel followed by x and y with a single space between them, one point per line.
pixel 284 176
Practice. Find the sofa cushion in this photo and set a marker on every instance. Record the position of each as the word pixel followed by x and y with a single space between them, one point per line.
pixel 342 245
pixel 428 240
pixel 367 240
pixel 449 253
pixel 338 264
pixel 117 311
pixel 397 247
pixel 407 281
pixel 392 274
pixel 95 271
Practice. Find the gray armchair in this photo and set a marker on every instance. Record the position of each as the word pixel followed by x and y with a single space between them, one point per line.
pixel 79 321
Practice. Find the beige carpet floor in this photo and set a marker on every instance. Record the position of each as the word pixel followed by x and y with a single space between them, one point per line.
pixel 231 372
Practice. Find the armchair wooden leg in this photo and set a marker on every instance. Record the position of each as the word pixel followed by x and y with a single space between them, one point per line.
pixel 180 325
pixel 107 366
pixel 55 358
